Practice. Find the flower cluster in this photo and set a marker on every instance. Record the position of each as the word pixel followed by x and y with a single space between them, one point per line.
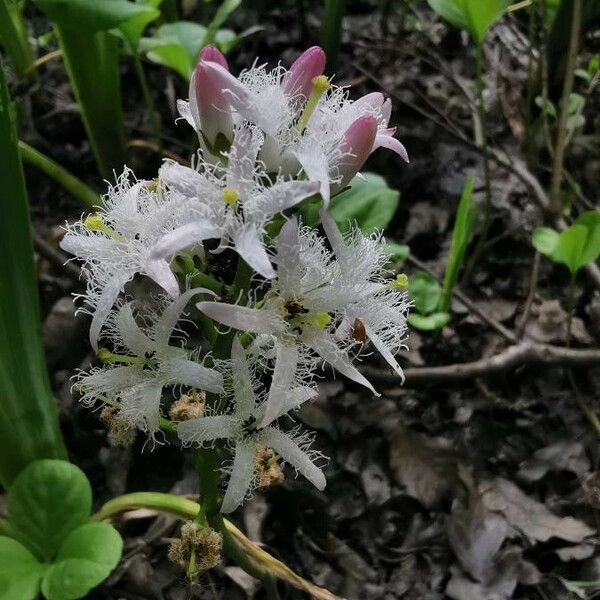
pixel 269 140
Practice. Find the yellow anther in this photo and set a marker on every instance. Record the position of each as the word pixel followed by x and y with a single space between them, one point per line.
pixel 104 355
pixel 152 186
pixel 230 196
pixel 401 281
pixel 94 222
pixel 320 85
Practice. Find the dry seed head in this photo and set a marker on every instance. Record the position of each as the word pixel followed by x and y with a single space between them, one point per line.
pixel 188 407
pixel 120 432
pixel 198 549
pixel 267 469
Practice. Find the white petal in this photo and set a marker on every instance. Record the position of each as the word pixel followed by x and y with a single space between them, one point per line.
pixel 293 454
pixel 383 140
pixel 293 399
pixel 130 333
pixel 163 328
pixel 104 304
pixel 109 381
pixel 325 346
pixel 242 160
pixel 242 473
pixel 249 245
pixel 286 362
pixel 288 259
pixel 245 397
pixel 183 237
pixel 316 167
pixel 279 197
pixel 140 405
pixel 190 373
pixel 207 429
pixel 243 318
pixel 87 246
pixel 160 272
pixel 334 235
pixel 384 351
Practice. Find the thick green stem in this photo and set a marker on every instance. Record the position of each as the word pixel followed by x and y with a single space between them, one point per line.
pixel 482 118
pixel 331 34
pixel 72 184
pixel 561 132
pixel 13 36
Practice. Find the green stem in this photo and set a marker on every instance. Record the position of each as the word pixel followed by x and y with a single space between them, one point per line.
pixel 152 114
pixel 166 503
pixel 72 184
pixel 208 282
pixel 13 35
pixel 561 133
pixel 482 118
pixel 331 34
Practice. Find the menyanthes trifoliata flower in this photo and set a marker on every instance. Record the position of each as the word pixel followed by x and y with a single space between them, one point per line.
pixel 240 428
pixel 144 362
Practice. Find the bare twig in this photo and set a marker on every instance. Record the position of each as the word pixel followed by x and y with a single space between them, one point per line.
pixel 517 355
pixel 466 301
pixel 535 269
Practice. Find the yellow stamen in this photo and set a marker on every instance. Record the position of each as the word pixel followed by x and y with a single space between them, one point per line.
pixel 320 85
pixel 94 222
pixel 230 196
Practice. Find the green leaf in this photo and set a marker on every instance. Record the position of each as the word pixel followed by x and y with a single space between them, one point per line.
pixel 546 105
pixel 545 240
pixel 591 250
pixel 176 45
pixel 85 559
pixel 20 571
pixel 48 500
pixel 369 202
pixel 226 8
pixel 476 16
pixel 398 252
pixel 428 322
pixel 132 28
pixel 94 15
pixel 425 292
pixel 28 417
pixel 461 236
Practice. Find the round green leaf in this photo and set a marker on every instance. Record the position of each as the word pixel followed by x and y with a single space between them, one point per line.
pixel 571 245
pixel 545 240
pixel 20 571
pixel 425 292
pixel 428 322
pixel 85 560
pixel 46 502
pixel 591 250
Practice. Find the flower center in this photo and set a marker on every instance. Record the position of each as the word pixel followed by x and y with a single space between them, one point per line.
pixel 230 196
pixel 297 315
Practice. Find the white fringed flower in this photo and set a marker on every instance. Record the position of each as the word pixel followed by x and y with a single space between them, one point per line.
pixel 329 302
pixel 233 206
pixel 147 364
pixel 240 429
pixel 117 243
pixel 324 133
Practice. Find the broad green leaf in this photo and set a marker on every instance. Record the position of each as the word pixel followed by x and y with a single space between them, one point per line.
pixel 476 16
pixel 545 240
pixel 176 45
pixel 571 243
pixel 94 15
pixel 28 417
pixel 428 322
pixel 226 40
pixel 591 221
pixel 226 8
pixel 132 28
pixel 461 236
pixel 85 559
pixel 48 500
pixel 398 252
pixel 425 292
pixel 369 202
pixel 20 571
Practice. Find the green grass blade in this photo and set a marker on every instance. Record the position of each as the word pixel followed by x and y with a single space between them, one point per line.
pixel 331 34
pixel 461 236
pixel 13 37
pixel 28 419
pixel 92 62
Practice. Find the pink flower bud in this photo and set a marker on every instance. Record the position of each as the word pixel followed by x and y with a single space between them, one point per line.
pixel 210 106
pixel 310 64
pixel 355 148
